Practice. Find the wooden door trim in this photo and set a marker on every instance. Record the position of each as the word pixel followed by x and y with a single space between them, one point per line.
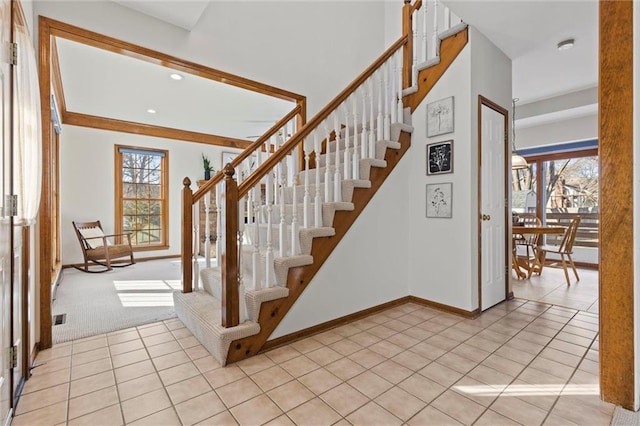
pixel 505 113
pixel 616 274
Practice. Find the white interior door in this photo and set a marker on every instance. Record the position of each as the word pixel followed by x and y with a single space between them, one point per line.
pixel 6 224
pixel 492 195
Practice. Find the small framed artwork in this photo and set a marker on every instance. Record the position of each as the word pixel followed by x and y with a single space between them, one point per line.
pixel 440 117
pixel 439 199
pixel 440 158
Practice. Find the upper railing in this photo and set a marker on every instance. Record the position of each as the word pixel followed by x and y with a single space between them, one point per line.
pixel 286 177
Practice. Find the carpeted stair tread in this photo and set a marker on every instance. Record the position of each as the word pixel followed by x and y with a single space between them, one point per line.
pixel 255 298
pixel 201 314
pixel 348 186
pixel 283 264
pixel 381 150
pixel 308 234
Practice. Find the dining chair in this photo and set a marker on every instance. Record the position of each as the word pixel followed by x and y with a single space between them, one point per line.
pixel 565 249
pixel 528 243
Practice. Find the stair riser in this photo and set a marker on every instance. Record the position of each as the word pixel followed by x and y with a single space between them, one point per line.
pixel 347 193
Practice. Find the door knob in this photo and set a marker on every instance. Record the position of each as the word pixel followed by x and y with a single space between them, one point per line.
pixel 486 217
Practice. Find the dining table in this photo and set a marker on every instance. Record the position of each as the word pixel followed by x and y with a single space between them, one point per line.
pixel 524 268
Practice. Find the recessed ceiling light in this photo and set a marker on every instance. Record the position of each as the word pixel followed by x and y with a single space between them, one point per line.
pixel 566 44
pixel 151 111
pixel 177 76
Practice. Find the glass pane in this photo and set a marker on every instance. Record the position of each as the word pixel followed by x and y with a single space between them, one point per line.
pixel 154 162
pixel 155 221
pixel 142 236
pixel 155 191
pixel 142 191
pixel 154 207
pixel 154 236
pixel 128 190
pixel 154 176
pixel 523 194
pixel 142 207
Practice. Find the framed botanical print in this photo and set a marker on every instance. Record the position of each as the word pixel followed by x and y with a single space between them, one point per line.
pixel 440 158
pixel 440 117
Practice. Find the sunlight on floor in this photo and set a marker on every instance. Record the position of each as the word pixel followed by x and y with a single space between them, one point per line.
pixel 530 390
pixel 146 293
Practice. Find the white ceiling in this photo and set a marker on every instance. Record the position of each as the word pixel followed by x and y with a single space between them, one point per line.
pixel 527 31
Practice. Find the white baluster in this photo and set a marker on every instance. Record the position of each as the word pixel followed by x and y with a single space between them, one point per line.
pixel 434 40
pixel 386 133
pixel 318 202
pixel 327 168
pixel 269 253
pixel 255 257
pixel 240 236
pixel 425 33
pixel 218 226
pixel 306 200
pixel 283 225
pixel 346 160
pixel 372 133
pixel 195 242
pixel 355 155
pixel 206 233
pixel 337 179
pixel 380 127
pixel 400 105
pixel 447 19
pixel 295 228
pixel 414 62
pixel 396 72
pixel 364 138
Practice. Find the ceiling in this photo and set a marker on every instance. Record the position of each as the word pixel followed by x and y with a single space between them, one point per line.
pixel 527 31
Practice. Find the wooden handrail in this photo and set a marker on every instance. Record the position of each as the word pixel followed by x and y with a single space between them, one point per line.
pixel 299 136
pixel 246 153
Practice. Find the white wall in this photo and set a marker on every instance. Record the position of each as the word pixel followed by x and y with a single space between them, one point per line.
pixel 575 129
pixel 367 268
pixel 313 48
pixel 87 186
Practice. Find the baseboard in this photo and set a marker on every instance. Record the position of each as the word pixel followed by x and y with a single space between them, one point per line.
pixel 137 259
pixel 34 353
pixel 319 328
pixel 446 308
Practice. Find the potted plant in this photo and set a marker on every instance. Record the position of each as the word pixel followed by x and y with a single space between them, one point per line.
pixel 206 163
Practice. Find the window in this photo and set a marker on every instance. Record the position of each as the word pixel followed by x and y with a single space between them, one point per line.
pixel 141 196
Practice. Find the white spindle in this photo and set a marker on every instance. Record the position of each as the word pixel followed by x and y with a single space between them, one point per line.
pixel 327 166
pixel 346 160
pixel 207 227
pixel 195 243
pixel 380 127
pixel 240 237
pixel 425 33
pixel 400 106
pixel 386 133
pixel 318 202
pixel 218 226
pixel 396 73
pixel 434 40
pixel 269 253
pixel 414 62
pixel 306 199
pixel 255 257
pixel 337 179
pixel 295 228
pixel 283 225
pixel 447 19
pixel 355 158
pixel 372 133
pixel 364 138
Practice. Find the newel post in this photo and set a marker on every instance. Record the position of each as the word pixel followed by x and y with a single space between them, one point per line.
pixel 186 254
pixel 229 253
pixel 407 50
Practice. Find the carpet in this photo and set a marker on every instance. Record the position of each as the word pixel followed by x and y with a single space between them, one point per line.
pixel 94 304
pixel 623 417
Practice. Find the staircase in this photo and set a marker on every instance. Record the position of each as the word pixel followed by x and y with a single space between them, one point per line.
pixel 279 223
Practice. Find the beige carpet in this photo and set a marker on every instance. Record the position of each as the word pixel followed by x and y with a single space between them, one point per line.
pixel 114 300
pixel 623 417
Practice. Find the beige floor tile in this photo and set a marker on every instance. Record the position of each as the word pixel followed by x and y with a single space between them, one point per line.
pixel 457 363
pixel 392 371
pixel 382 331
pixel 372 414
pixel 484 344
pixel 218 377
pixel 144 405
pixel 282 354
pixel 171 360
pixel 344 399
pixel 421 387
pixel 271 378
pixel 367 358
pixel 345 368
pixel 166 417
pixel 370 384
pixel 471 353
pixel 238 392
pixel 442 342
pixel 567 347
pixel 187 389
pixel 299 366
pixel 491 377
pixel 223 419
pixel 43 398
pixel 347 330
pixel 552 367
pixel 163 349
pixel 400 403
pixel 417 332
pixel 518 410
pixel 50 415
pixel 561 357
pixel 91 402
pixel 188 342
pixel 109 416
pixel 440 374
pixel 114 339
pixel 323 356
pixel 121 348
pixel 398 325
pixel 314 412
pixel 197 352
pixel 157 339
pixel 57 351
pixel 290 395
pixel 515 354
pixel 199 408
pixel 491 418
pixel 89 356
pixel 328 337
pixel 88 345
pixel 141 385
pixel 258 410
pixel 411 360
pixel 181 333
pixel 132 371
pixel 364 339
pixel 306 345
pixel 386 348
pixel 47 380
pixel 504 365
pixel 51 366
pixel 432 417
pixel 428 350
pixel 92 383
pixel 319 381
pixel 537 377
pixel 404 340
pixel 457 406
pixel 206 363
pixel 542 396
pixel 153 329
pixel 129 358
pixel 477 391
pixel 255 364
pixel 178 373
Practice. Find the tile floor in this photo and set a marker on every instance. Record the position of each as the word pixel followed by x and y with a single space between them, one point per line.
pixel 521 362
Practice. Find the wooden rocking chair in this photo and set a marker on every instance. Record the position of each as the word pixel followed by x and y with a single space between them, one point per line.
pixel 97 248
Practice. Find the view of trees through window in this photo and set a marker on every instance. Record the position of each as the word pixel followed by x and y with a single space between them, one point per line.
pixel 142 195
